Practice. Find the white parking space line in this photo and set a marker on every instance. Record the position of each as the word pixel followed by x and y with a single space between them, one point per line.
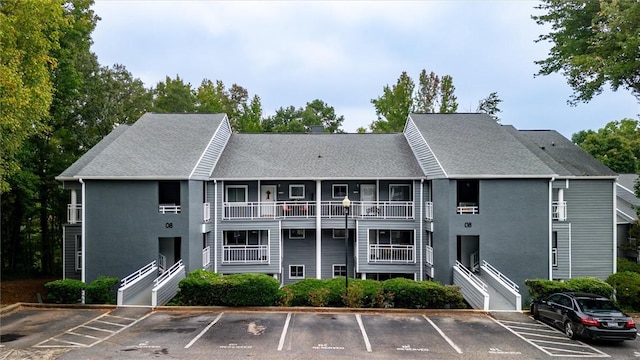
pixel 284 332
pixel 83 335
pixel 364 332
pixel 97 329
pixel 444 336
pixel 204 331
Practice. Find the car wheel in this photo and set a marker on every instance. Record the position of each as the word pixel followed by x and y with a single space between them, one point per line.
pixel 536 313
pixel 570 330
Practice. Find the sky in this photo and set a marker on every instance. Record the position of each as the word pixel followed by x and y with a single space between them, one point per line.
pixel 345 52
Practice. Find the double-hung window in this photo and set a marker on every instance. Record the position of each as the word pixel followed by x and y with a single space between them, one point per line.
pixel 296 191
pixel 400 192
pixel 339 191
pixel 296 271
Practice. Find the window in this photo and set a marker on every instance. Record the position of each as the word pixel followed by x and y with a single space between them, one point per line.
pixel 338 233
pixel 78 241
pixel 169 197
pixel 296 191
pixel 235 237
pixel 554 249
pixel 339 270
pixel 296 234
pixel 400 192
pixel 339 191
pixel 237 193
pixel 468 195
pixel 296 271
pixel 401 237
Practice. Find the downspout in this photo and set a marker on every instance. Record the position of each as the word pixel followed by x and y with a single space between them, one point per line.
pixel 215 226
pixel 421 229
pixel 550 236
pixel 83 233
pixel 318 230
pixel 615 228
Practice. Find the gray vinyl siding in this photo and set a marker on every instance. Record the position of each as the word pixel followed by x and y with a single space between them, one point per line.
pixel 273 228
pixel 562 271
pixel 299 252
pixel 426 158
pixel 333 253
pixel 213 151
pixel 70 233
pixel 590 212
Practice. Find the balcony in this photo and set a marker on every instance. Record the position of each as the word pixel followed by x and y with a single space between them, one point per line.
pixel 391 253
pixel 467 208
pixel 206 211
pixel 245 254
pixel 428 259
pixel 169 209
pixel 307 209
pixel 74 213
pixel 206 257
pixel 428 210
pixel 559 210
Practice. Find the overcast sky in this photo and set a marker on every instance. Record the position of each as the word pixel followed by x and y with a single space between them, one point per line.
pixel 344 53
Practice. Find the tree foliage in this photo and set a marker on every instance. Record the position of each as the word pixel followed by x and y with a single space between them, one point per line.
pixel 489 106
pixel 244 114
pixel 301 120
pixel 173 96
pixel 595 42
pixel 616 145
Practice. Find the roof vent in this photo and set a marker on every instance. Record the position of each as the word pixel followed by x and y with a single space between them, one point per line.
pixel 317 129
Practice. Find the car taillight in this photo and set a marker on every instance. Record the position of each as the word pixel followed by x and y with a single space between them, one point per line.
pixel 630 324
pixel 590 322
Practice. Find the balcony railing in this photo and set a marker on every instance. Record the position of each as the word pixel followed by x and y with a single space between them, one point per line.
pixel 429 255
pixel 559 210
pixel 391 253
pixel 169 209
pixel 206 211
pixel 465 208
pixel 428 210
pixel 206 257
pixel 245 254
pixel 74 213
pixel 307 209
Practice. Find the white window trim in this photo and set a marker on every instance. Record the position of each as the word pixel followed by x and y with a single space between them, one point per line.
pixel 408 186
pixel 296 277
pixel 78 252
pixel 333 268
pixel 333 191
pixel 246 192
pixel 291 231
pixel 292 186
pixel 333 234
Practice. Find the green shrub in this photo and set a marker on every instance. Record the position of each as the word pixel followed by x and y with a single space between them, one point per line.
pixel 422 294
pixel 198 289
pixel 67 291
pixel 625 264
pixel 627 289
pixel 354 297
pixel 541 288
pixel 102 290
pixel 250 290
pixel 318 298
pixel 301 289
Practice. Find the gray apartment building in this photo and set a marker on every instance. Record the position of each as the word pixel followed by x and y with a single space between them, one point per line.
pixel 456 198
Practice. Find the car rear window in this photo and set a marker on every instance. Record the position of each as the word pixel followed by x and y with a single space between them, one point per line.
pixel 596 305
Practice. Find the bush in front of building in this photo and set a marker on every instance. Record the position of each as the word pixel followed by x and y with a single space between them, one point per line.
pixel 204 288
pixel 541 288
pixel 200 288
pixel 423 294
pixel 67 291
pixel 102 290
pixel 627 289
pixel 298 293
pixel 625 264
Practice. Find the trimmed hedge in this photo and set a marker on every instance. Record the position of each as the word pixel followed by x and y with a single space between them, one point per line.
pixel 627 289
pixel 102 290
pixel 198 289
pixel 627 265
pixel 67 291
pixel 423 294
pixel 204 288
pixel 541 288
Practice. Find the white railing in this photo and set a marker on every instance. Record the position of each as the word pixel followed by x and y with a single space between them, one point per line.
pixel 559 210
pixel 307 209
pixel 391 253
pixel 428 210
pixel 145 269
pixel 474 260
pixel 554 257
pixel 169 209
pixel 245 254
pixel 206 212
pixel 369 209
pixel 166 274
pixel 473 277
pixel 467 209
pixel 206 257
pixel 429 255
pixel 500 276
pixel 74 213
pixel 162 263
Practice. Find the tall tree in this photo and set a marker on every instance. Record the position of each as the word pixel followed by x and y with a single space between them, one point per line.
pixel 489 106
pixel 394 106
pixel 244 115
pixel 449 101
pixel 174 96
pixel 301 120
pixel 29 34
pixel 249 121
pixel 595 42
pixel 426 99
pixel 616 145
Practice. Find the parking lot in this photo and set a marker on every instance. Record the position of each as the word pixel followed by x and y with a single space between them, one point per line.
pixel 139 333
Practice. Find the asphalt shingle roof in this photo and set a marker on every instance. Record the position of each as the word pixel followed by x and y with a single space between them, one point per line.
pixel 155 146
pixel 475 145
pixel 317 156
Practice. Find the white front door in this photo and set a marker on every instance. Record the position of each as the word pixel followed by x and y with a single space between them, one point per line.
pixel 368 198
pixel 268 195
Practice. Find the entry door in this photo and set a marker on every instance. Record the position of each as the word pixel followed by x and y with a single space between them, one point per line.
pixel 368 198
pixel 268 195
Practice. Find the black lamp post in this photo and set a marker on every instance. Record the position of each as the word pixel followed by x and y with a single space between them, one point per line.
pixel 346 203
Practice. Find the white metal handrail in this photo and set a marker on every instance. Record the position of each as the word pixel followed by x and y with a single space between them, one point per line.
pixel 429 255
pixel 206 256
pixel 467 210
pixel 391 253
pixel 428 210
pixel 162 263
pixel 307 209
pixel 169 209
pixel 74 213
pixel 500 276
pixel 559 210
pixel 245 254
pixel 173 269
pixel 143 270
pixel 206 211
pixel 473 277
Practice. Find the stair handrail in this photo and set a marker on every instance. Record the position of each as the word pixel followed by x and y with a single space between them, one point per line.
pixel 137 274
pixel 501 276
pixel 473 277
pixel 167 273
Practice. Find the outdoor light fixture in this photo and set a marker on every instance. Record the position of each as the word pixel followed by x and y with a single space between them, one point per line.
pixel 346 203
